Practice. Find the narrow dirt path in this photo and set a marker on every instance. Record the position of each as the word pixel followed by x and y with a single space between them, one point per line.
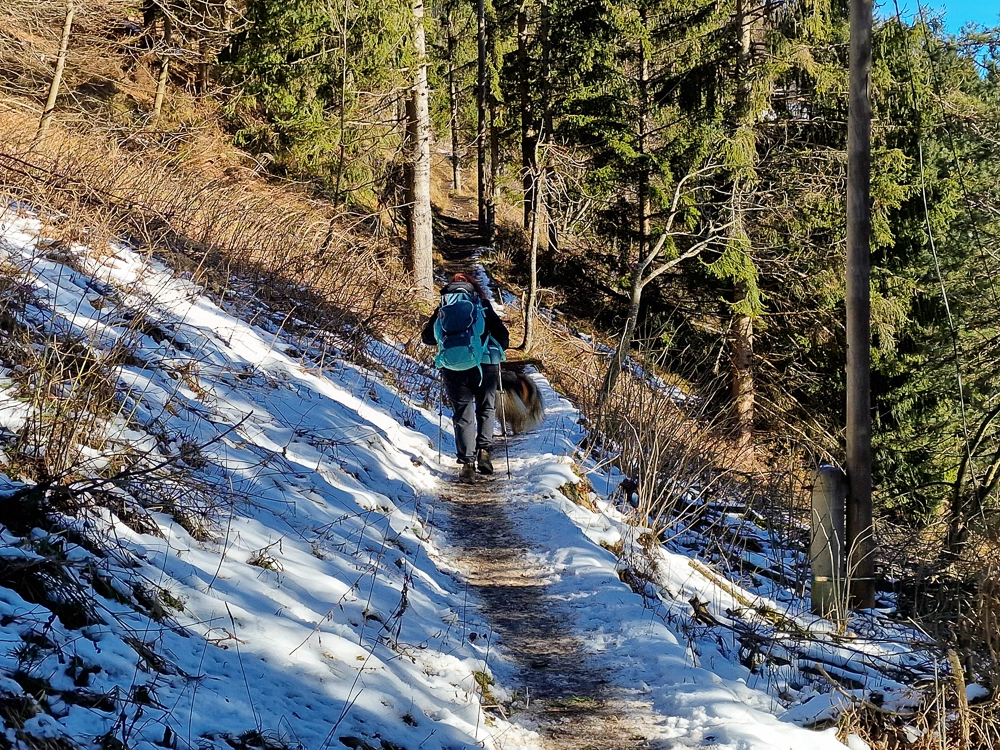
pixel 457 236
pixel 569 700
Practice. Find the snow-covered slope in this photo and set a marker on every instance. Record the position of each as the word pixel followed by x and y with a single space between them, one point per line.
pixel 277 515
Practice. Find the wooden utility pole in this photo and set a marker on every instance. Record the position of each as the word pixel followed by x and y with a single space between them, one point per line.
pixel 481 120
pixel 861 546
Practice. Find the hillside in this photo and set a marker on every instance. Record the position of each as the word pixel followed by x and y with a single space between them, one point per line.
pixel 260 545
pixel 229 514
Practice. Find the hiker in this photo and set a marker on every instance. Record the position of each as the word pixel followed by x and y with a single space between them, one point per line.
pixel 470 338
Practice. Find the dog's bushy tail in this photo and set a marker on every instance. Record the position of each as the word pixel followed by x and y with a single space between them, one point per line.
pixel 522 407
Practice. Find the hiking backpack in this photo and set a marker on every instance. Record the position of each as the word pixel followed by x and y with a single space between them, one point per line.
pixel 459 330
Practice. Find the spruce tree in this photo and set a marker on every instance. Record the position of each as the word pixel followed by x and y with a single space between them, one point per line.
pixel 318 85
pixel 937 437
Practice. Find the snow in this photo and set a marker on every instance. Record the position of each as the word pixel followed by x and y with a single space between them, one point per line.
pixel 318 601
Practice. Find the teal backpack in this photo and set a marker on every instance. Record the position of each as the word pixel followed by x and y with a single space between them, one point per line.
pixel 459 330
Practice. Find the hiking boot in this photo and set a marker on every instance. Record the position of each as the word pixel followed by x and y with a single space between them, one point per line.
pixel 467 473
pixel 483 462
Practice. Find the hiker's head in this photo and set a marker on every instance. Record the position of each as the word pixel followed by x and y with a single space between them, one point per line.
pixel 467 279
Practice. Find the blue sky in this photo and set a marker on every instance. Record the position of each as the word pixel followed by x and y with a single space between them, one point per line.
pixel 957 12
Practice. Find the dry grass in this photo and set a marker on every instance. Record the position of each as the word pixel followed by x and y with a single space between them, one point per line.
pixel 941 719
pixel 107 62
pixel 212 219
pixel 958 605
pixel 104 177
pixel 201 204
pixel 111 69
pixel 107 175
pixel 662 437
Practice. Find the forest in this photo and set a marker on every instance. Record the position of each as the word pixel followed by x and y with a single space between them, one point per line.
pixel 675 172
pixel 665 179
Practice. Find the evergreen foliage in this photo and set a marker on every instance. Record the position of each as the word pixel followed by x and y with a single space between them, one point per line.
pixel 452 43
pixel 621 101
pixel 936 439
pixel 318 85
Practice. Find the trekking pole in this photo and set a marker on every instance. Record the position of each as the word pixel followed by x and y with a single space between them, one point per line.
pixel 503 420
pixel 440 418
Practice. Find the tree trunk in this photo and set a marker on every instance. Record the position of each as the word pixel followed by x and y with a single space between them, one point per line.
pixel 644 167
pixel 491 202
pixel 532 301
pixel 741 364
pixel 161 81
pixel 625 342
pixel 50 102
pixel 420 237
pixel 528 132
pixel 203 67
pixel 958 531
pixel 495 65
pixel 548 171
pixel 481 118
pixel 456 159
pixel 150 12
pixel 741 351
pixel 982 482
pixel 638 268
pixel 342 135
pixel 552 230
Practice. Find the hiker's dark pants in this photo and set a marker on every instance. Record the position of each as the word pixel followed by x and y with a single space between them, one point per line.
pixel 473 404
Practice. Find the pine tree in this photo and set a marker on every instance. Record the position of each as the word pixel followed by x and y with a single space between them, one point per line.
pixel 453 81
pixel 318 86
pixel 609 63
pixel 937 437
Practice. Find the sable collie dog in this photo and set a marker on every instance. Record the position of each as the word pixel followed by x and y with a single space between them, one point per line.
pixel 521 407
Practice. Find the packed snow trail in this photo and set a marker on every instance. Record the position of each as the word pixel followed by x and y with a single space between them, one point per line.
pixel 559 690
pixel 573 673
pixel 577 656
